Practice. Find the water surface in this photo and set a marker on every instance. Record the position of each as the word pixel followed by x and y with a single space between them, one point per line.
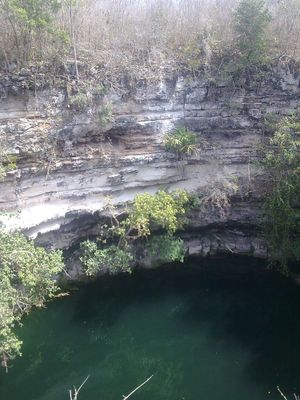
pixel 204 335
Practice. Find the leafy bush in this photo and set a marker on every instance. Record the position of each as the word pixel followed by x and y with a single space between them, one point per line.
pixel 270 122
pixel 100 90
pixel 250 20
pixel 164 211
pixel 30 21
pixel 8 162
pixel 281 163
pixel 26 280
pixel 197 36
pixel 2 172
pixel 105 115
pixel 166 248
pixel 79 101
pixel 111 258
pixel 182 142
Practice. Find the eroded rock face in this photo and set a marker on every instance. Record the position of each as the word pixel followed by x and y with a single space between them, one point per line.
pixel 69 161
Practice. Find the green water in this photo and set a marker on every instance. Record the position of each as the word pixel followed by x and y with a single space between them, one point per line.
pixel 204 335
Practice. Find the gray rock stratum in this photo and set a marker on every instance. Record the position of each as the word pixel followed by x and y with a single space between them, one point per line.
pixel 70 158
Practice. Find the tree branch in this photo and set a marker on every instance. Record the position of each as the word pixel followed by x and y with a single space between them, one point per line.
pixel 137 388
pixel 75 392
pixel 282 395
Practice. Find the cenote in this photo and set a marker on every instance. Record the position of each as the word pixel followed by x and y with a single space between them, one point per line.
pixel 204 334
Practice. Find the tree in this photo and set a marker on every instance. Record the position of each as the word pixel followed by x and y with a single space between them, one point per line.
pixel 250 20
pixel 27 279
pixel 71 4
pixel 30 19
pixel 162 211
pixel 281 163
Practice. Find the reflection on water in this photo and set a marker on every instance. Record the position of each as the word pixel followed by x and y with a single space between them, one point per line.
pixel 204 335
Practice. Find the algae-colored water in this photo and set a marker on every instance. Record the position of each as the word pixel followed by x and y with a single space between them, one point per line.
pixel 204 335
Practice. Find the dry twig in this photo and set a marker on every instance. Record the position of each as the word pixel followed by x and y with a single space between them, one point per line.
pixel 75 392
pixel 137 388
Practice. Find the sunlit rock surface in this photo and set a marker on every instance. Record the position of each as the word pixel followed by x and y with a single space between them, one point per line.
pixel 69 161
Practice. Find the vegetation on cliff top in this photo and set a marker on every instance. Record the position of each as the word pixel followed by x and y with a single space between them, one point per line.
pixel 135 38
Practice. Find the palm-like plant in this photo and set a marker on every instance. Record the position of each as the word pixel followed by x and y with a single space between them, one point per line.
pixel 181 142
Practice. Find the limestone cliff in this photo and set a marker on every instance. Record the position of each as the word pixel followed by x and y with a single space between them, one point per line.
pixel 71 157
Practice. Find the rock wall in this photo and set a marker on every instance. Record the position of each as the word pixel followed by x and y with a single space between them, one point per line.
pixel 69 160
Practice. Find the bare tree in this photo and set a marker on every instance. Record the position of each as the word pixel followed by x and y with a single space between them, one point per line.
pixel 71 14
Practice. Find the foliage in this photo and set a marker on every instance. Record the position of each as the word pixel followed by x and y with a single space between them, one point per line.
pixel 100 90
pixel 270 122
pixel 105 115
pixel 30 19
pixel 79 101
pixel 2 172
pixel 181 142
pixel 26 280
pixel 282 158
pixel 250 20
pixel 7 161
pixel 33 13
pixel 281 162
pixel 111 258
pixel 166 248
pixel 153 37
pixel 163 211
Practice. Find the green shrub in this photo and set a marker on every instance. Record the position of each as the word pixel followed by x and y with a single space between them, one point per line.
pixel 2 172
pixel 163 211
pixel 31 21
pixel 26 280
pixel 166 248
pixel 3 157
pixel 270 122
pixel 182 142
pixel 105 115
pixel 79 101
pixel 111 258
pixel 251 18
pixel 281 163
pixel 100 90
pixel 8 163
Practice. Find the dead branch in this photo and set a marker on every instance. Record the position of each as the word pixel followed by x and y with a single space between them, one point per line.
pixel 75 392
pixel 281 394
pixel 137 388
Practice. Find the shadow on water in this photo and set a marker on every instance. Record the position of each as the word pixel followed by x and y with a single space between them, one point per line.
pixel 207 333
pixel 261 313
pixel 259 310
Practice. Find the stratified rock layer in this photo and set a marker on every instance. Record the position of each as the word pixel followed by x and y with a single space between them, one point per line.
pixel 69 161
